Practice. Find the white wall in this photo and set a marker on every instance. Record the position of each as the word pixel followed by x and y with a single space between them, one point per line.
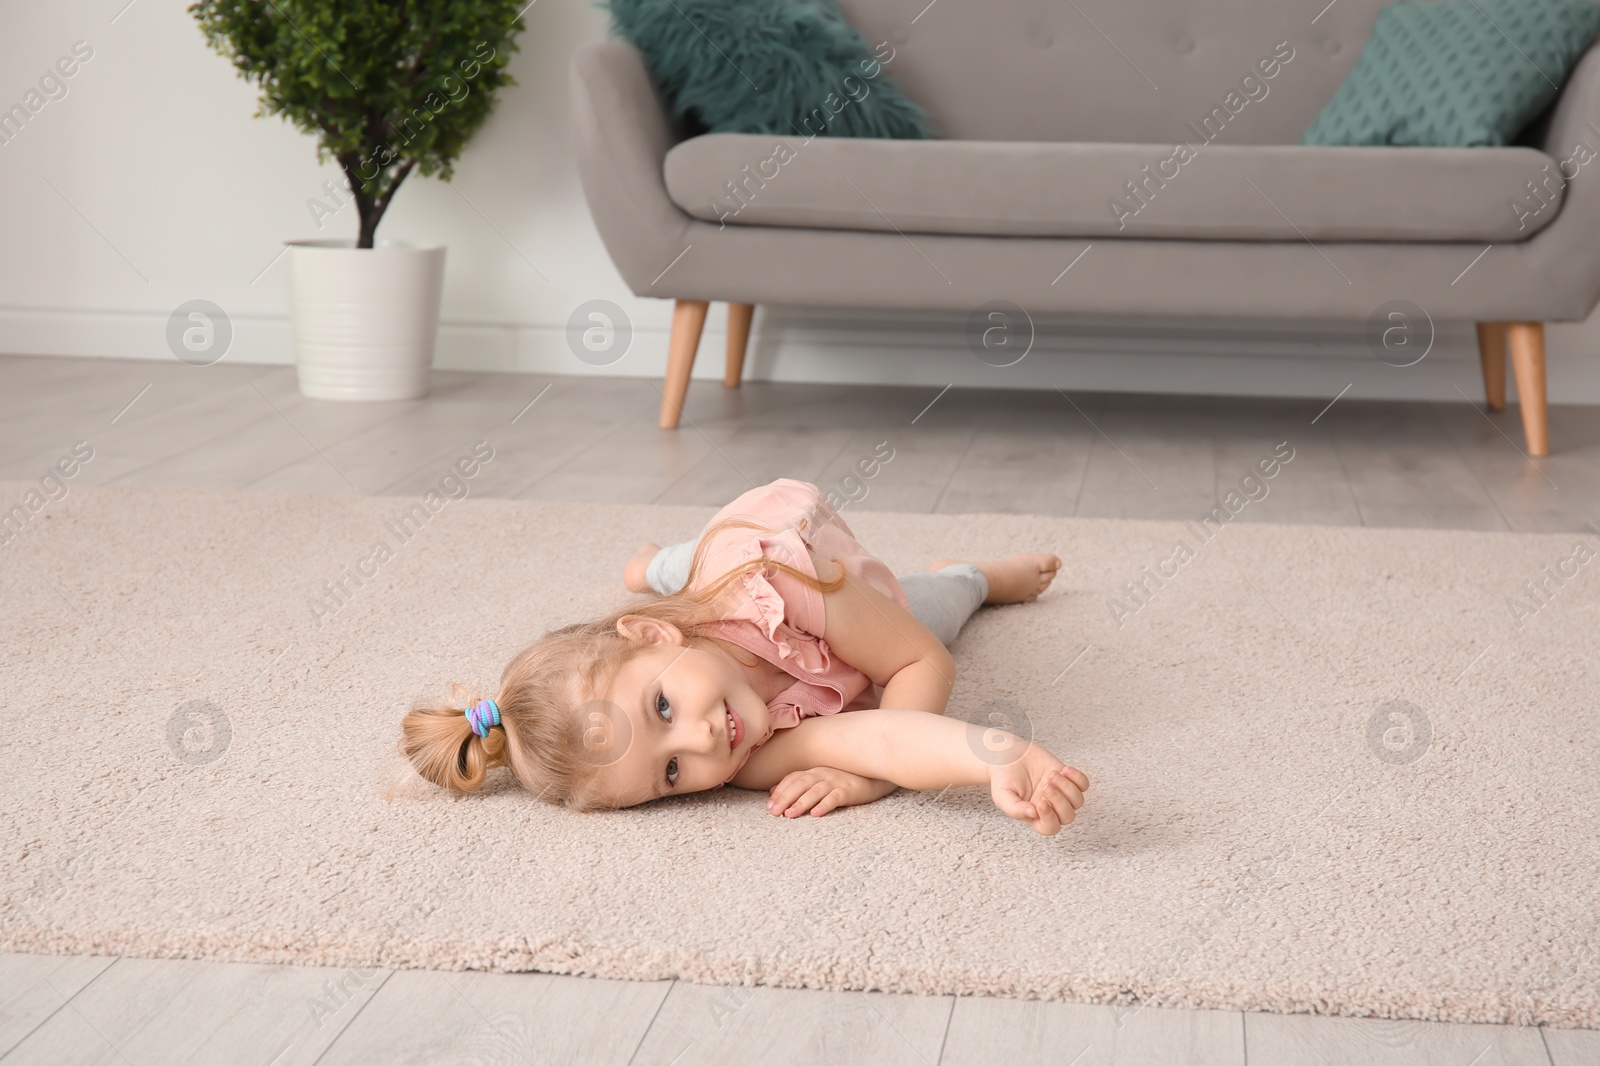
pixel 166 189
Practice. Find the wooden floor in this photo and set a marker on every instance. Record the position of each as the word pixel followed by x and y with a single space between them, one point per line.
pixel 169 424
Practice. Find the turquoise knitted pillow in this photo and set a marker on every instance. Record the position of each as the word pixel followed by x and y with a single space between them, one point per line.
pixel 1463 73
pixel 792 67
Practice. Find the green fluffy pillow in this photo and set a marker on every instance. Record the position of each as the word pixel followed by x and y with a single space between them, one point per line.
pixel 792 67
pixel 1457 74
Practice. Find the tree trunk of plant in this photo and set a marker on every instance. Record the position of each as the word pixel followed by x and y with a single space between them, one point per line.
pixel 370 209
pixel 365 208
pixel 369 221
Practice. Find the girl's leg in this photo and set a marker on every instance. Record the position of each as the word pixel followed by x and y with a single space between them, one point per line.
pixel 944 599
pixel 669 569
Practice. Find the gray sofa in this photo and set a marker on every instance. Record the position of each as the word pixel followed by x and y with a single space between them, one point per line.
pixel 1160 137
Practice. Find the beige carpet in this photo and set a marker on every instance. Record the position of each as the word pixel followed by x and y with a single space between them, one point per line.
pixel 195 759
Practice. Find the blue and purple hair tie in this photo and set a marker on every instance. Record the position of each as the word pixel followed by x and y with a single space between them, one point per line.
pixel 483 716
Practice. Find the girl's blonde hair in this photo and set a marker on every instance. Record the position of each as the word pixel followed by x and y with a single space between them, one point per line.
pixel 544 688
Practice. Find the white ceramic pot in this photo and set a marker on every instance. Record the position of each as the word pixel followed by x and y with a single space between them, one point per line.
pixel 365 319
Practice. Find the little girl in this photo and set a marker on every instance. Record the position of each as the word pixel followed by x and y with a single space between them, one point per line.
pixel 768 626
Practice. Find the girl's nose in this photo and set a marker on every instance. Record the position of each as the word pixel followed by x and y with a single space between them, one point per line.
pixel 712 739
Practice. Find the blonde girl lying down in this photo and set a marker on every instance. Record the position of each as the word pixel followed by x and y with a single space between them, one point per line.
pixel 758 665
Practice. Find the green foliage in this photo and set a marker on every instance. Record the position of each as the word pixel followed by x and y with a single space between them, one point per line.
pixel 386 85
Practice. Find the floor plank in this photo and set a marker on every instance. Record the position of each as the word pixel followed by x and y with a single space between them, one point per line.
pixel 636 459
pixel 1559 493
pixel 1315 1040
pixel 229 460
pixel 1028 453
pixel 1572 1047
pixel 96 391
pixel 906 468
pixel 712 1026
pixel 1152 461
pixel 1024 1032
pixel 35 987
pixel 798 431
pixel 754 456
pixel 1310 487
pixel 534 1019
pixel 1404 472
pixel 183 1010
pixel 129 425
pixel 400 456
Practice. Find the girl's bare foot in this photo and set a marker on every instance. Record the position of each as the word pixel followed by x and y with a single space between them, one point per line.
pixel 1016 579
pixel 633 573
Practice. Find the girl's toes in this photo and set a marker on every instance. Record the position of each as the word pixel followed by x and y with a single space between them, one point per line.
pixel 1048 565
pixel 634 574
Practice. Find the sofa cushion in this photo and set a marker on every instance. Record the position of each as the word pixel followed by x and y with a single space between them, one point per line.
pixel 1034 189
pixel 778 66
pixel 1467 72
pixel 1132 71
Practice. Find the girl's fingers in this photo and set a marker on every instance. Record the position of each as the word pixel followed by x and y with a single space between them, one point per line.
pixel 1060 802
pixel 784 801
pixel 1063 782
pixel 829 802
pixel 808 799
pixel 1070 790
pixel 1078 777
pixel 1046 819
pixel 787 791
pixel 1049 803
pixel 1013 805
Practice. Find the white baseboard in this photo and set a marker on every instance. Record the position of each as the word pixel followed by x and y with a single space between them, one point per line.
pixel 1287 359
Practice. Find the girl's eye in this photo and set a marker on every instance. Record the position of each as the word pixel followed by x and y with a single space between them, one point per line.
pixel 666 714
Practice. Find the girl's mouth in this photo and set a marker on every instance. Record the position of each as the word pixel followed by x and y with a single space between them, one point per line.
pixel 735 727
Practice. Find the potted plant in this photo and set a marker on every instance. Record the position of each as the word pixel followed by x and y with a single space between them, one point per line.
pixel 388 87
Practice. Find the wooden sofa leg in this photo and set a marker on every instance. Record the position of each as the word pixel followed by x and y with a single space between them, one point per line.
pixel 1526 340
pixel 1492 352
pixel 739 316
pixel 688 319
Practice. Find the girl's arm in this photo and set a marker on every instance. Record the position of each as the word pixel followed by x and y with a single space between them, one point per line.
pixel 877 636
pixel 916 750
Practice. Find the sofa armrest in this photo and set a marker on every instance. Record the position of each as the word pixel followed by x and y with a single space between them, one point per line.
pixel 1560 257
pixel 623 135
pixel 1574 110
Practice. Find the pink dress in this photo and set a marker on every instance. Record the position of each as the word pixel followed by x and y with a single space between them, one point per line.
pixel 779 618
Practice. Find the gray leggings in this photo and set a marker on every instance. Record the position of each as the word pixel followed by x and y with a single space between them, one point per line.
pixel 940 599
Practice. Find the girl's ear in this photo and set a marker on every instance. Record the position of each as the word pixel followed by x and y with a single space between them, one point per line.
pixel 638 627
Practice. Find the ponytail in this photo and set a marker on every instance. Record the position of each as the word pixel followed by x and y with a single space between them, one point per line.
pixel 438 740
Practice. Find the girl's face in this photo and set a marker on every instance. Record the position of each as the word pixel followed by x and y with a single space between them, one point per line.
pixel 684 718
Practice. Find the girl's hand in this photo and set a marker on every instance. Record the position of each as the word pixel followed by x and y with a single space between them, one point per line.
pixel 1038 789
pixel 821 789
